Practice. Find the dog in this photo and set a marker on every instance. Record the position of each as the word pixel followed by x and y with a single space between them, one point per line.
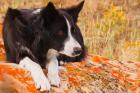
pixel 41 38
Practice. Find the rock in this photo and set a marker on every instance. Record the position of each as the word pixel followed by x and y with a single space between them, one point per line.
pixel 107 76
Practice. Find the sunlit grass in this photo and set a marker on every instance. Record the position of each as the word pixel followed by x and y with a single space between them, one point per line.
pixel 108 30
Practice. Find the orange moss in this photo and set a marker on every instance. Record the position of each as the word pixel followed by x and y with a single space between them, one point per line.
pixel 95 69
pixel 82 63
pixel 134 90
pixel 130 80
pixel 99 59
pixel 117 75
pixel 2 52
pixel 96 59
pixel 73 81
pixel 20 75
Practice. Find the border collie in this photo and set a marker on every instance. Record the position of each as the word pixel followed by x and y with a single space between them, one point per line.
pixel 41 38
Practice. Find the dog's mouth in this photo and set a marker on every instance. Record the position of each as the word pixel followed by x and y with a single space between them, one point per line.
pixel 75 55
pixel 76 51
pixel 70 55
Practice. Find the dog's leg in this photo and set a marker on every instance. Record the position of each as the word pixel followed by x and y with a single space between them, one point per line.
pixel 37 74
pixel 53 69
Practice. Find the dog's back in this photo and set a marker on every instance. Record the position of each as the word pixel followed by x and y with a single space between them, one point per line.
pixel 15 32
pixel 7 36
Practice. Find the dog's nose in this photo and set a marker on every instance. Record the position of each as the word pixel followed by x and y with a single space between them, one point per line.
pixel 77 50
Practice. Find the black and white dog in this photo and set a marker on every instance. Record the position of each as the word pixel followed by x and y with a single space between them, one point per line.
pixel 42 38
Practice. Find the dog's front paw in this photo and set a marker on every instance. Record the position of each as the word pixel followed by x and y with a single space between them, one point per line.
pixel 37 74
pixel 54 80
pixel 42 83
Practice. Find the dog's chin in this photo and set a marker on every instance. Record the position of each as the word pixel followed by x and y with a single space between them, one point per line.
pixel 70 55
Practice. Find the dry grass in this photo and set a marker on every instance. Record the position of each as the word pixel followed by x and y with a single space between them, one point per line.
pixel 111 28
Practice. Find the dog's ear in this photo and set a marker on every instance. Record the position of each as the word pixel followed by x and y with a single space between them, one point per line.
pixel 15 16
pixel 49 13
pixel 74 11
pixel 16 22
pixel 12 13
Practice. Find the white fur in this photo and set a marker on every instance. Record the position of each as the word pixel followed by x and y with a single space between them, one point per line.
pixel 53 74
pixel 62 62
pixel 53 68
pixel 36 11
pixel 37 74
pixel 70 43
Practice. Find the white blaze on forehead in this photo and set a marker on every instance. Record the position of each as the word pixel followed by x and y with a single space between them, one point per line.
pixel 36 11
pixel 70 43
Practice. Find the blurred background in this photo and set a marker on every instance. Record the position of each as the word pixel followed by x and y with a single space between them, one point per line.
pixel 111 28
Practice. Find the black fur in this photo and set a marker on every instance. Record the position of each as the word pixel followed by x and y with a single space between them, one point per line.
pixel 32 34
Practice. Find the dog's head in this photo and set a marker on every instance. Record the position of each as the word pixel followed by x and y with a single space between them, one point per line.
pixel 60 25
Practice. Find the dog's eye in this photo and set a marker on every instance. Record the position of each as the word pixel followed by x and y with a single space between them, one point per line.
pixel 60 33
